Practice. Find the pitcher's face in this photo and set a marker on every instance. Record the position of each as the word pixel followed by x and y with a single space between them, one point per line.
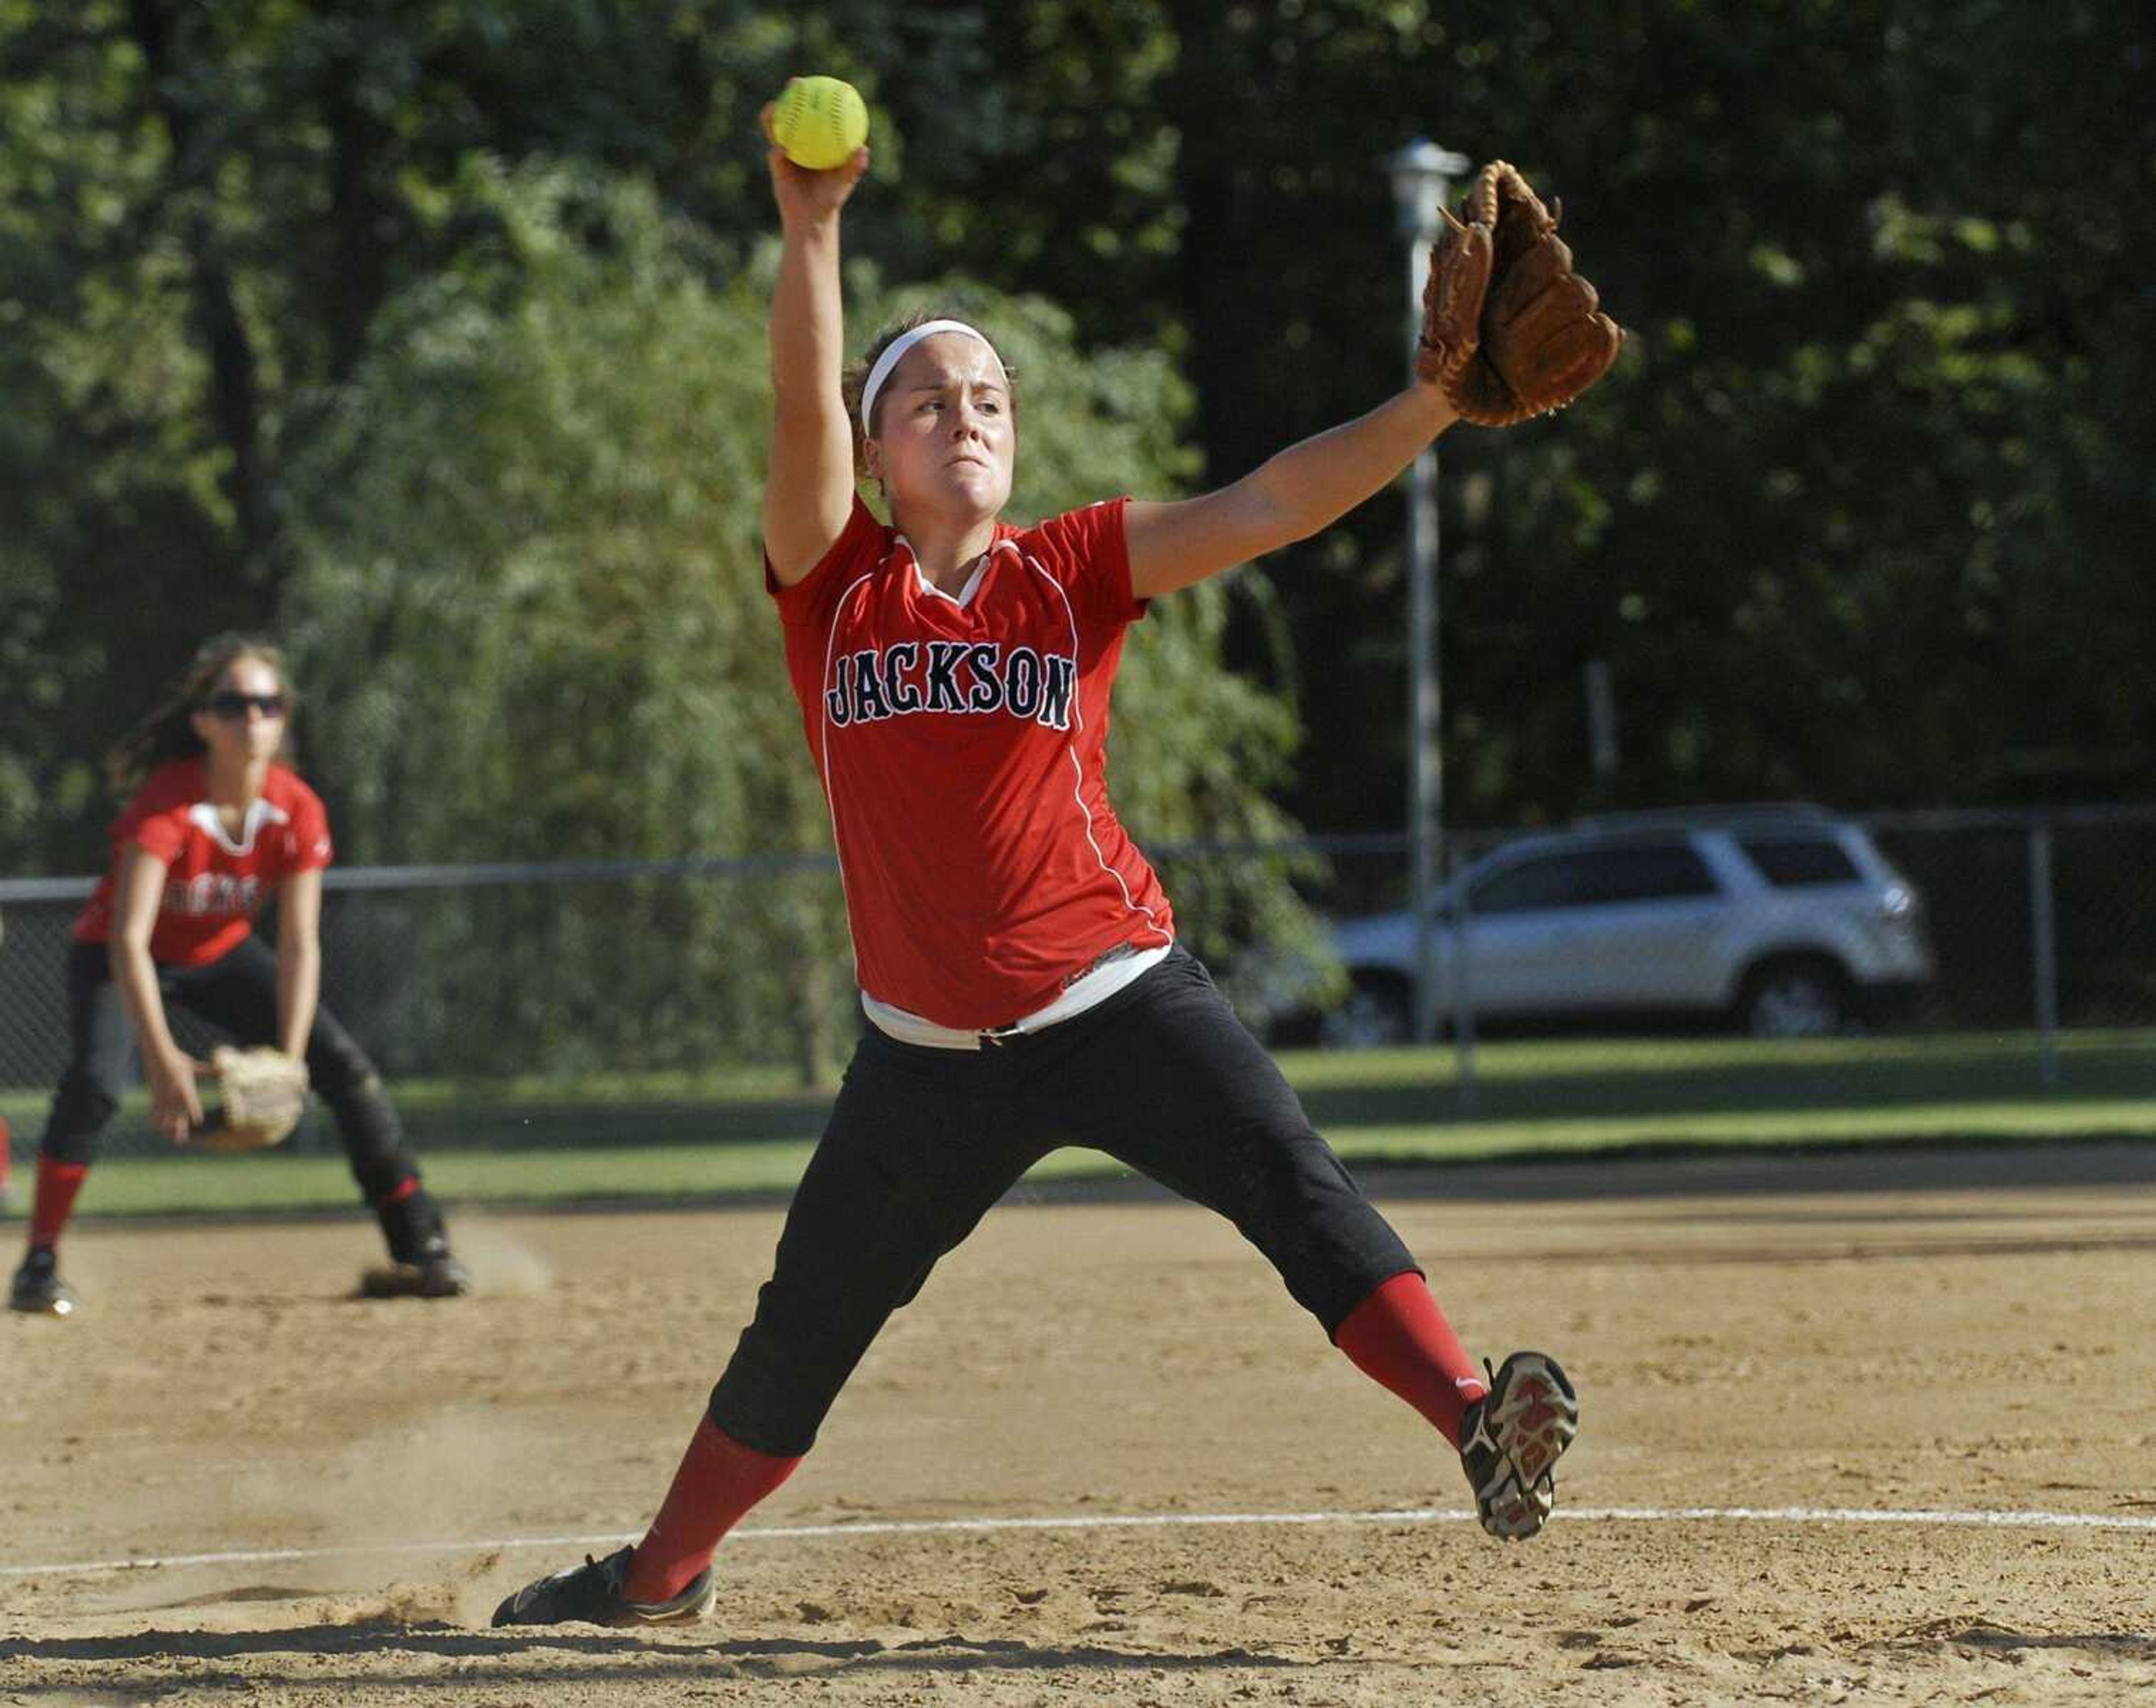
pixel 947 440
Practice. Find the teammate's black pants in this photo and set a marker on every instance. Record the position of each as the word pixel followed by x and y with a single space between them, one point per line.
pixel 1162 1076
pixel 237 991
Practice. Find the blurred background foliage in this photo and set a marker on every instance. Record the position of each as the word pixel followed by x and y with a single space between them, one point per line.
pixel 430 334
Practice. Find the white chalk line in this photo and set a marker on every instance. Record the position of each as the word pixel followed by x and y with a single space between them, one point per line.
pixel 1166 1521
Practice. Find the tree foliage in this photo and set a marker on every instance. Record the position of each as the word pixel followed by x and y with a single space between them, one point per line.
pixel 1859 516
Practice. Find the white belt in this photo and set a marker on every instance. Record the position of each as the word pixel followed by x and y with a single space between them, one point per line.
pixel 1120 965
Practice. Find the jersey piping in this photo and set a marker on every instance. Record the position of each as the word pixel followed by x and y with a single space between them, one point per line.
pixel 1077 766
pixel 829 762
pixel 964 595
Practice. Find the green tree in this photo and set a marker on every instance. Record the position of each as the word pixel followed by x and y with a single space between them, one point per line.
pixel 1878 441
pixel 203 210
pixel 1858 515
pixel 1857 518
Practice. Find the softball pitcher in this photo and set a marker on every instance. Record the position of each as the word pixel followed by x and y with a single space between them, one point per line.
pixel 1015 950
pixel 216 828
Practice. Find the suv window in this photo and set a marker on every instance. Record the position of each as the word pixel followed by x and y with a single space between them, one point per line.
pixel 1650 872
pixel 1593 877
pixel 1545 880
pixel 1788 862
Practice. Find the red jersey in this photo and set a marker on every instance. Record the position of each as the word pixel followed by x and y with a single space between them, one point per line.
pixel 962 745
pixel 214 885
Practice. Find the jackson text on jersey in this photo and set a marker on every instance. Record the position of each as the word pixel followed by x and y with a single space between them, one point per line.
pixel 951 678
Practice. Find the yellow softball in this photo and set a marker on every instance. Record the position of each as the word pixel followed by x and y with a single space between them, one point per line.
pixel 820 122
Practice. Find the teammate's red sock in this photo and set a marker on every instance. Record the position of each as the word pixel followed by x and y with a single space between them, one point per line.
pixel 58 1182
pixel 717 1481
pixel 1399 1337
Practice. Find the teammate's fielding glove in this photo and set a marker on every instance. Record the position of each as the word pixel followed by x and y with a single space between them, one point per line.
pixel 261 1092
pixel 1542 342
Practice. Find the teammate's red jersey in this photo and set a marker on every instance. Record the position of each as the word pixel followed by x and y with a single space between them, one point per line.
pixel 962 744
pixel 214 884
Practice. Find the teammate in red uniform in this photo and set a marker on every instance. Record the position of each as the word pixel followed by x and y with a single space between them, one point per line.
pixel 216 829
pixel 1014 952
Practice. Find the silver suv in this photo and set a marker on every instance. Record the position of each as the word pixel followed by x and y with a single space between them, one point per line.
pixel 1787 919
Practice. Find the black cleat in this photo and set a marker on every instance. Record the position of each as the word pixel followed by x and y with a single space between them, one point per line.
pixel 1510 1440
pixel 591 1593
pixel 436 1275
pixel 38 1288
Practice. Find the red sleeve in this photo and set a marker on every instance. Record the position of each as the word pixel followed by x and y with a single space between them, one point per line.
pixel 155 821
pixel 1087 550
pixel 307 833
pixel 861 544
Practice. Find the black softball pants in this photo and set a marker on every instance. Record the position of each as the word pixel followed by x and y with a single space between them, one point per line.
pixel 1162 1076
pixel 237 991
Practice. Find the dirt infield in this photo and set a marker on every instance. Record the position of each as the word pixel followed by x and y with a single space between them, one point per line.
pixel 1806 1347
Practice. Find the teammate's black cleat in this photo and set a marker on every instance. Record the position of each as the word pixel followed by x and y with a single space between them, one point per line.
pixel 436 1275
pixel 591 1593
pixel 420 1266
pixel 1510 1440
pixel 38 1288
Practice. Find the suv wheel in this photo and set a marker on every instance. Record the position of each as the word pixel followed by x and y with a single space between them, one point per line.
pixel 1801 996
pixel 1375 1014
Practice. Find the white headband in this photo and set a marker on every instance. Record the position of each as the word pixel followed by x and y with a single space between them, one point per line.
pixel 898 347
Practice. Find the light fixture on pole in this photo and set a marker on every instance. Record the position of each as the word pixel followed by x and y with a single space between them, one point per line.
pixel 1422 175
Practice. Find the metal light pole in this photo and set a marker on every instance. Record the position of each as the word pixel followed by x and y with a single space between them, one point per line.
pixel 1422 175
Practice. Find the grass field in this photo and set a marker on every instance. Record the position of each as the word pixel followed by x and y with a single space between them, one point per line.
pixel 676 1136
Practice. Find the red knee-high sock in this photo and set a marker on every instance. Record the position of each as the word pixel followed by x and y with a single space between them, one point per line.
pixel 1399 1337
pixel 717 1480
pixel 58 1182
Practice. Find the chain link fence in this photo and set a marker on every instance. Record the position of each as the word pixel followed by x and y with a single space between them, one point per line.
pixel 2036 921
pixel 504 971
